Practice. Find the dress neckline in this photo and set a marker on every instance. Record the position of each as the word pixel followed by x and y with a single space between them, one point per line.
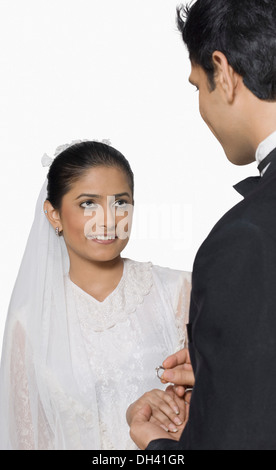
pixel 93 299
pixel 135 284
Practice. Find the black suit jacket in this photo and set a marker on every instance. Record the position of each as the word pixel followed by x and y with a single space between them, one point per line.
pixel 232 330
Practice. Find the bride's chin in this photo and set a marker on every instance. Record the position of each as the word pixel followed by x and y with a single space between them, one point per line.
pixel 104 255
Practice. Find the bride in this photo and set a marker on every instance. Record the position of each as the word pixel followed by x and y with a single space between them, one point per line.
pixel 86 328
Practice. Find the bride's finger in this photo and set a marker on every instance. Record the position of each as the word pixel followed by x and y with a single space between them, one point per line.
pixel 153 420
pixel 178 400
pixel 165 414
pixel 174 431
pixel 165 421
pixel 170 399
pixel 158 397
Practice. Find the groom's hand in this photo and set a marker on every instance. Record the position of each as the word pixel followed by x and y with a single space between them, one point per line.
pixel 142 431
pixel 179 371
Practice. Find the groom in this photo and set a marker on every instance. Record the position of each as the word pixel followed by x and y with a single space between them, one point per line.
pixel 232 329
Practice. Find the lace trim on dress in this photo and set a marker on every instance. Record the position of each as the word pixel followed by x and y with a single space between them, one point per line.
pixel 134 285
pixel 182 313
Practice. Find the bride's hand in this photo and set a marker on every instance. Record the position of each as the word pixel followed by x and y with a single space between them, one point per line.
pixel 168 411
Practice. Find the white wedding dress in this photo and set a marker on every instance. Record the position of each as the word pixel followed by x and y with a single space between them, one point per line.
pixel 71 365
pixel 129 334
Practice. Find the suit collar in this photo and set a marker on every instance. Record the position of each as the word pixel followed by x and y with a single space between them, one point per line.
pixel 265 148
pixel 252 183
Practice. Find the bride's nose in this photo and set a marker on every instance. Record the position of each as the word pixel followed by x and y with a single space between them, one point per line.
pixel 109 222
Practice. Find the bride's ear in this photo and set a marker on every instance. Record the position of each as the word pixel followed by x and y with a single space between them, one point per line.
pixel 52 215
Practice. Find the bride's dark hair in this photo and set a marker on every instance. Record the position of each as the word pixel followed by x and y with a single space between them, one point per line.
pixel 72 164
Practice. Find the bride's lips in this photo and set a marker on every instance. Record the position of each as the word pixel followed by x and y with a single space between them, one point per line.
pixel 103 241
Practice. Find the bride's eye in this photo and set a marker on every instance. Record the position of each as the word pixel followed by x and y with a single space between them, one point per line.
pixel 88 205
pixel 120 203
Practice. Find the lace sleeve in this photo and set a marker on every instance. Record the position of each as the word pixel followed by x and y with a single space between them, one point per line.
pixel 182 309
pixel 28 426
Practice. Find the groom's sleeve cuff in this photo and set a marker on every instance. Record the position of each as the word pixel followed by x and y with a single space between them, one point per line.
pixel 163 444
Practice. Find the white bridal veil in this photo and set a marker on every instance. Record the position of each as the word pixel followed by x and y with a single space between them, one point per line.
pixel 39 411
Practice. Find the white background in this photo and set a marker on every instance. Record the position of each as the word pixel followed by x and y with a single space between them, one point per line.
pixel 117 69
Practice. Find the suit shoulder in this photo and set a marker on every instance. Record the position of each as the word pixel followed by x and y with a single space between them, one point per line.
pixel 239 232
pixel 256 211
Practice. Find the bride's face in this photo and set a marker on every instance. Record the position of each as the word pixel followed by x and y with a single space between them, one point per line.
pixel 96 214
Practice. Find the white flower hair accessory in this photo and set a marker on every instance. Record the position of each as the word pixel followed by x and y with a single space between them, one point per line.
pixel 47 161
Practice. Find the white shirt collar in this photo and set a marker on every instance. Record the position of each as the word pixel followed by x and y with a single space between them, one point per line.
pixel 265 147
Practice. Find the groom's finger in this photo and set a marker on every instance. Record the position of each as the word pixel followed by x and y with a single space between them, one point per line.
pixel 142 431
pixel 179 376
pixel 139 427
pixel 179 390
pixel 142 416
pixel 179 358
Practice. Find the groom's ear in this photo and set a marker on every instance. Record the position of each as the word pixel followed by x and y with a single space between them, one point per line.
pixel 225 76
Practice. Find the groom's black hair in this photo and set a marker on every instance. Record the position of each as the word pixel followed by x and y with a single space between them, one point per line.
pixel 243 30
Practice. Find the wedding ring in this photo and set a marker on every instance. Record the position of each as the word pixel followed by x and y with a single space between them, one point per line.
pixel 157 371
pixel 187 391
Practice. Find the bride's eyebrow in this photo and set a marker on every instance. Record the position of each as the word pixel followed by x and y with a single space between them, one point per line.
pixel 121 195
pixel 88 195
pixel 97 195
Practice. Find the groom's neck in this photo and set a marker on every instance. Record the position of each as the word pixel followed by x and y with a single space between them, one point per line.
pixel 260 120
